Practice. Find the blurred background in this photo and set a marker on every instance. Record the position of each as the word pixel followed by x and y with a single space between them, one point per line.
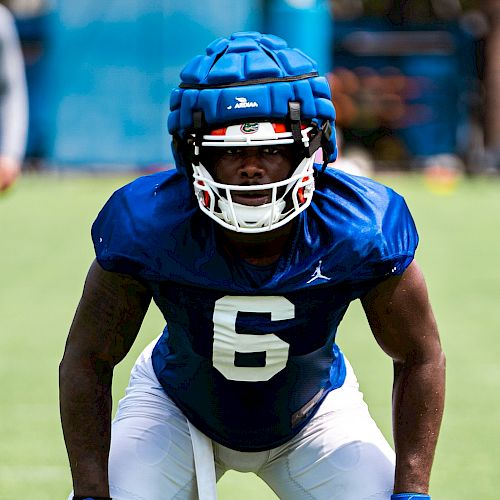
pixel 416 84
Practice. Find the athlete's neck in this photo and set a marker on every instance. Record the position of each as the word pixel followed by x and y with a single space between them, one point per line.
pixel 259 249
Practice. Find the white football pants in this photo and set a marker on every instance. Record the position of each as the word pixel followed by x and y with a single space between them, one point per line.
pixel 340 455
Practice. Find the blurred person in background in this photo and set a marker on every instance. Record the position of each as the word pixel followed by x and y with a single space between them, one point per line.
pixel 13 101
pixel 253 250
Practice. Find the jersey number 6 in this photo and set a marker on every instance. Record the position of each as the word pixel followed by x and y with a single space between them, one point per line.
pixel 228 344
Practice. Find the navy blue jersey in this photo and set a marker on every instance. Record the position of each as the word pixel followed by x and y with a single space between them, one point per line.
pixel 249 352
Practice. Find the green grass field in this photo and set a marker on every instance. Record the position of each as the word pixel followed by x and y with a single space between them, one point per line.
pixel 45 251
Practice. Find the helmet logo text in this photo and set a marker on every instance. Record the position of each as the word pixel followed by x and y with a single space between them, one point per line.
pixel 242 102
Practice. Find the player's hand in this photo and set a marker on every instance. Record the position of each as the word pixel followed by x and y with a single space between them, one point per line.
pixel 9 171
pixel 410 496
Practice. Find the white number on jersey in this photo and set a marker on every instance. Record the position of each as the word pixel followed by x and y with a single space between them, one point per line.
pixel 227 343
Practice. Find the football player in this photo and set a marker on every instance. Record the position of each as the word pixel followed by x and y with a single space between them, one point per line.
pixel 252 248
pixel 13 101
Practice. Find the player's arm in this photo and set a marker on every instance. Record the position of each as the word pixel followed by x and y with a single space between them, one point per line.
pixel 403 323
pixel 13 102
pixel 104 328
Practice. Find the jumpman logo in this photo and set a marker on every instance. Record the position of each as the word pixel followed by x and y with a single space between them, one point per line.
pixel 317 274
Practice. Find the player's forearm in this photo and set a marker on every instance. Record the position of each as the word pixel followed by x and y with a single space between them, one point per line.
pixel 85 402
pixel 418 401
pixel 13 92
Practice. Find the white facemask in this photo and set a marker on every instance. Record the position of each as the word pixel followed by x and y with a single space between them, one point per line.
pixel 215 198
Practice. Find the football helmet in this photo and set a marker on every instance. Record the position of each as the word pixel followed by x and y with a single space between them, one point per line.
pixel 252 90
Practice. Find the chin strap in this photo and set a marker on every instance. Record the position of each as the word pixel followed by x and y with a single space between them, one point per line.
pixel 295 123
pixel 321 139
pixel 198 122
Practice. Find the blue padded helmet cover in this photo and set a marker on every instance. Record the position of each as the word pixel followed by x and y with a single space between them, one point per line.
pixel 249 76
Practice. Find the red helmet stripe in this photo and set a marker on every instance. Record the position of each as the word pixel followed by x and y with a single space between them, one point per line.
pixel 300 195
pixel 219 131
pixel 279 127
